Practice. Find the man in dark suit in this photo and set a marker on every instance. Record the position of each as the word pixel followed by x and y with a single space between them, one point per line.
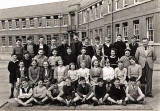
pixel 133 45
pixel 43 46
pixel 76 45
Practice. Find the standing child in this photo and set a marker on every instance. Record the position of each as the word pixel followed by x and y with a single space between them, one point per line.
pixel 53 60
pixel 27 59
pixel 84 72
pixel 113 59
pixel 25 95
pixel 34 73
pixel 73 74
pixel 18 49
pixel 134 93
pixel 95 72
pixel 12 68
pixel 40 58
pixel 40 93
pixel 121 73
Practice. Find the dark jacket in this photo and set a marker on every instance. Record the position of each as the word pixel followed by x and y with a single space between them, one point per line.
pixel 76 48
pixel 34 48
pixel 89 50
pixel 133 48
pixel 107 50
pixel 25 73
pixel 62 50
pixel 69 59
pixel 120 47
pixel 45 49
pixel 87 90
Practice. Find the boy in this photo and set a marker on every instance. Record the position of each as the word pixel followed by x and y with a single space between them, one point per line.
pixel 84 57
pixel 27 59
pixel 13 77
pixel 67 93
pixel 107 46
pixel 97 44
pixel 40 58
pixel 134 93
pixel 40 93
pixel 100 92
pixel 133 45
pixel 18 49
pixel 84 91
pixel 25 94
pixel 117 93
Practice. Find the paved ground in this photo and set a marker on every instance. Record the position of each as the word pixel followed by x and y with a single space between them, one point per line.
pixel 152 103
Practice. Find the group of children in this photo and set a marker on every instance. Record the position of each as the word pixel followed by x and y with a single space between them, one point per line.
pixel 72 80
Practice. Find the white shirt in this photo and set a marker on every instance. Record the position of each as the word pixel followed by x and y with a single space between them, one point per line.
pixel 108 73
pixel 84 73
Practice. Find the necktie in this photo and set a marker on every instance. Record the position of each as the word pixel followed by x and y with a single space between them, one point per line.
pixel 145 47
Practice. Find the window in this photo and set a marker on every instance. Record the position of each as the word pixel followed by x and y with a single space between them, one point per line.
pixel 80 17
pixel 117 28
pixel 109 31
pixel 65 20
pixel 17 23
pixel 125 30
pixel 150 33
pixel 125 3
pixel 136 1
pixel 48 21
pixel 31 22
pixel 24 40
pixel 109 6
pixel 48 39
pixel 24 23
pixel 117 3
pixel 101 34
pixel 9 24
pixel 136 28
pixel 91 36
pixel 39 21
pixel 96 32
pixel 10 42
pixel 97 11
pixel 3 24
pixel 56 20
pixel 3 41
pixel 100 9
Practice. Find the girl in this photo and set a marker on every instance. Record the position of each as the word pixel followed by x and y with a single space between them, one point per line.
pixel 95 72
pixel 113 59
pixel 73 74
pixel 98 56
pixel 125 58
pixel 12 68
pixel 53 60
pixel 83 71
pixel 34 73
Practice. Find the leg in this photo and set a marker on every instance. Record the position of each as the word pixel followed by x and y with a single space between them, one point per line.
pixel 130 98
pixel 77 98
pixel 29 100
pixel 105 97
pixel 61 100
pixel 112 100
pixel 12 90
pixel 45 99
pixel 149 81
pixel 19 101
pixel 140 98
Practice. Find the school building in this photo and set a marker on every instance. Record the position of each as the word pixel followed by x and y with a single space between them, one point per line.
pixel 89 18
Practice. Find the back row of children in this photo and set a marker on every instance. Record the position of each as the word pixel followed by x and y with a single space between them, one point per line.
pixel 93 65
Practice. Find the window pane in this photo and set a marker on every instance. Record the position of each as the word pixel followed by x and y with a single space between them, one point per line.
pixel 3 41
pixel 10 41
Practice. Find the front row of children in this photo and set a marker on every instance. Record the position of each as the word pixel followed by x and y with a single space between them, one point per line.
pixel 101 93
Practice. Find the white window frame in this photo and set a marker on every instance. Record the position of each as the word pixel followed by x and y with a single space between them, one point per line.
pixel 31 22
pixel 136 30
pixel 10 24
pixel 125 31
pixel 17 23
pixel 117 29
pixel 24 23
pixel 10 40
pixel 150 28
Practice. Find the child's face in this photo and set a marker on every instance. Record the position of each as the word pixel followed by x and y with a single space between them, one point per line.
pixel 119 38
pixel 113 52
pixel 120 65
pixel 18 43
pixel 73 67
pixel 83 82
pixel 96 63
pixel 83 51
pixel 83 65
pixel 53 41
pixel 107 40
pixel 98 52
pixel 26 55
pixel 24 84
pixel 107 63
pixel 86 41
pixel 116 83
pixel 34 63
pixel 133 40
pixel 100 83
pixel 69 51
pixel 132 61
pixel 54 52
pixel 97 41
pixel 75 38
pixel 40 52
pixel 45 65
pixel 29 41
pixel 21 64
pixel 41 40
pixel 68 82
pixel 60 63
pixel 127 53
pixel 40 83
pixel 64 41
pixel 14 57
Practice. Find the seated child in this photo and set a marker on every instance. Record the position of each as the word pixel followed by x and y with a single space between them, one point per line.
pixel 95 72
pixel 84 91
pixel 117 93
pixel 84 72
pixel 100 92
pixel 121 73
pixel 73 74
pixel 125 58
pixel 134 93
pixel 113 58
pixel 25 95
pixel 40 93
pixel 67 93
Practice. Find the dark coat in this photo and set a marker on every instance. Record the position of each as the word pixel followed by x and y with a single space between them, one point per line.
pixel 107 50
pixel 62 50
pixel 133 48
pixel 120 47
pixel 69 59
pixel 50 76
pixel 45 49
pixel 25 73
pixel 76 48
pixel 34 48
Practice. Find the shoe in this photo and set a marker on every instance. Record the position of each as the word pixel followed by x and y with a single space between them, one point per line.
pixel 28 105
pixel 150 95
pixel 11 96
pixel 95 104
pixel 124 103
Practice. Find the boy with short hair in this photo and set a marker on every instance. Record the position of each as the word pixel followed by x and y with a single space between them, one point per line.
pixel 134 93
pixel 40 93
pixel 133 45
pixel 25 94
pixel 84 91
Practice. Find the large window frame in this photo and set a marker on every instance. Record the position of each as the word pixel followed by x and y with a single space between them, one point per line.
pixel 150 29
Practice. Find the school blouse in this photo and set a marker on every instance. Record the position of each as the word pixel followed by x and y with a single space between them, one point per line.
pixel 40 91
pixel 40 59
pixel 134 70
pixel 84 73
pixel 95 73
pixel 73 74
pixel 121 74
pixel 125 61
pixel 34 73
pixel 60 73
pixel 53 60
pixel 108 73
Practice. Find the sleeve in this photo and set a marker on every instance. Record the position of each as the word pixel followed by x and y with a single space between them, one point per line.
pixel 79 91
pixel 129 71
pixel 137 54
pixel 154 55
pixel 140 92
pixel 9 67
pixel 112 74
pixel 90 90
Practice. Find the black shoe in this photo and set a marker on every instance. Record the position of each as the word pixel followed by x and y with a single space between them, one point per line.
pixel 150 95
pixel 11 96
pixel 95 104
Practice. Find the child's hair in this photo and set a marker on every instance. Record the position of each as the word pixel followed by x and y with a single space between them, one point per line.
pixel 21 61
pixel 132 79
pixel 24 79
pixel 35 61
pixel 119 35
pixel 25 52
pixel 100 80
pixel 54 49
pixel 133 58
pixel 127 50
pixel 67 78
pixel 116 79
pixel 40 36
pixel 97 38
pixel 19 40
pixel 13 54
pixel 94 62
pixel 81 79
pixel 134 37
pixel 72 64
pixel 30 37
pixel 83 48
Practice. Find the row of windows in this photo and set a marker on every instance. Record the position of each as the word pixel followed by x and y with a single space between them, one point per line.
pixel 92 13
pixel 136 29
pixel 49 20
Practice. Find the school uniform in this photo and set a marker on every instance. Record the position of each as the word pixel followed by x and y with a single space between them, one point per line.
pixel 68 92
pixel 40 91
pixel 89 50
pixel 95 73
pixel 106 50
pixel 25 91
pixel 40 59
pixel 31 48
pixel 76 48
pixel 85 58
pixel 62 50
pixel 27 62
pixel 133 47
pixel 12 68
pixel 44 47
pixel 113 61
pixel 22 73
pixel 18 51
pixel 120 47
pixel 69 59
pixel 100 92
